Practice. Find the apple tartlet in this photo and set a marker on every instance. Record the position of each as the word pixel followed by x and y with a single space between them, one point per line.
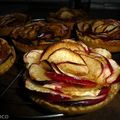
pixel 9 22
pixel 104 33
pixel 39 35
pixel 7 56
pixel 67 16
pixel 70 78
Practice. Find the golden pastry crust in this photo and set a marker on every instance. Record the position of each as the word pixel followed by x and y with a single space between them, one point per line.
pixel 100 33
pixel 8 62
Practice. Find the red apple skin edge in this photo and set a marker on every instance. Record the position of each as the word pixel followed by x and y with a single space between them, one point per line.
pixel 68 79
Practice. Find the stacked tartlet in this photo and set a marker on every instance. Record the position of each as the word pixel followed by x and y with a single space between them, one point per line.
pixel 104 33
pixel 9 22
pixel 39 35
pixel 71 78
pixel 7 56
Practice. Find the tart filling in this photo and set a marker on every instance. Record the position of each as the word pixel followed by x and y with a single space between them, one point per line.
pixel 71 74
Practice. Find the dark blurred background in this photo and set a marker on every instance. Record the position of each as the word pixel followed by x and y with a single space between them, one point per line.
pixel 41 8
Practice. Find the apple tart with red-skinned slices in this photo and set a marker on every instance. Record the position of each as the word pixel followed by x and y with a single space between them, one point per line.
pixel 103 33
pixel 7 56
pixel 71 78
pixel 39 35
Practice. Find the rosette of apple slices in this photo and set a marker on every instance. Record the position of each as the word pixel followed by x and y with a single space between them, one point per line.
pixel 103 33
pixel 71 78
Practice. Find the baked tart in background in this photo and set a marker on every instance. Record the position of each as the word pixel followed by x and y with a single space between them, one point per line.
pixel 69 77
pixel 67 16
pixel 10 21
pixel 39 35
pixel 7 56
pixel 103 33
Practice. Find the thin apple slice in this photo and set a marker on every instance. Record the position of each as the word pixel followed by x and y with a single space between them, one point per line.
pixel 32 57
pixel 55 68
pixel 31 85
pixel 97 24
pixel 85 47
pixel 71 80
pixel 112 28
pixel 73 68
pixel 98 57
pixel 67 43
pixel 65 55
pixel 106 66
pixel 107 71
pixel 102 52
pixel 94 66
pixel 115 72
pixel 101 28
pixel 37 71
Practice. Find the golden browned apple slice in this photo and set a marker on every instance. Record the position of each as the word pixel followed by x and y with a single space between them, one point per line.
pixel 70 68
pixel 32 57
pixel 107 68
pixel 94 66
pixel 96 24
pixel 111 28
pixel 37 71
pixel 99 57
pixel 100 28
pixel 69 44
pixel 101 52
pixel 65 55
